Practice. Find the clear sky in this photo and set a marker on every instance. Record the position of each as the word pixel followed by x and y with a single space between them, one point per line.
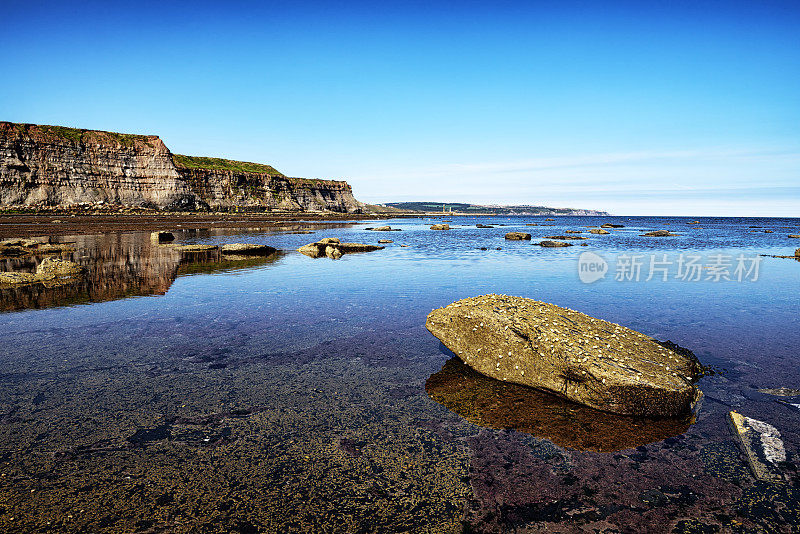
pixel 671 107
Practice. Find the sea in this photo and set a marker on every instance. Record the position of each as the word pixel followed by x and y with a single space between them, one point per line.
pixel 177 392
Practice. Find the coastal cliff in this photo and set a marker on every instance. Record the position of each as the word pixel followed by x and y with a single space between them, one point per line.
pixel 54 166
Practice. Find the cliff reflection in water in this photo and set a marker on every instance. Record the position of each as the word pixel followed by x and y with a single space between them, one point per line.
pixel 118 266
pixel 495 404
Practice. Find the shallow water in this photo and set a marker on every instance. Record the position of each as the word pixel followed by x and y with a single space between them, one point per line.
pixel 180 394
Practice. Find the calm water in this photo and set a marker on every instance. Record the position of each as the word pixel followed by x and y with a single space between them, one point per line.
pixel 175 393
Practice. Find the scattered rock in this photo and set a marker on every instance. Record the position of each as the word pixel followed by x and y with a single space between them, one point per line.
pixel 384 229
pixel 49 270
pixel 599 231
pixel 761 444
pixel 162 237
pixel 549 219
pixel 518 236
pixel 693 222
pixel 610 225
pixel 440 227
pixel 573 231
pixel 196 248
pixel 15 248
pixel 248 249
pixel 385 241
pixel 484 225
pixel 13 278
pixel 586 360
pixel 565 237
pixel 333 252
pixel 794 236
pixel 781 392
pixel 334 249
pixel 768 232
pixel 659 233
pixel 55 268
pixel 553 244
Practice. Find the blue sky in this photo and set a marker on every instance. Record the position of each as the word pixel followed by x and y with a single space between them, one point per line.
pixel 632 107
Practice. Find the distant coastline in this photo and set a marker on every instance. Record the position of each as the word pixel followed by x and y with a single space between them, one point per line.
pixel 460 208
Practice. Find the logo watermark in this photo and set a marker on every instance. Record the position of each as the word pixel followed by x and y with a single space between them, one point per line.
pixel 591 267
pixel 662 267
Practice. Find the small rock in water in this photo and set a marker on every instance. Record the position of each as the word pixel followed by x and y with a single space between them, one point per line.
pixel 197 248
pixel 659 233
pixel 610 225
pixel 248 249
pixel 518 236
pixel 794 236
pixel 599 231
pixel 440 227
pixel 565 237
pixel 761 444
pixel 334 249
pixel 553 244
pixel 385 241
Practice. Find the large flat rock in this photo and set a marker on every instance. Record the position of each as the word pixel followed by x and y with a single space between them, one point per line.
pixel 586 360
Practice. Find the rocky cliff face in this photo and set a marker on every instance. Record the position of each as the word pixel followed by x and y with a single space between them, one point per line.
pixel 225 189
pixel 57 166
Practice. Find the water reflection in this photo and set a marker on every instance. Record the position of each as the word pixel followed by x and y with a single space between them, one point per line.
pixel 117 266
pixel 495 404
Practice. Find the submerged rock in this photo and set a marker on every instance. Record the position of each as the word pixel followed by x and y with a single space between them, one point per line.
pixel 586 360
pixel 553 244
pixel 761 444
pixel 497 404
pixel 573 231
pixel 599 231
pixel 479 225
pixel 781 392
pixel 518 236
pixel 659 233
pixel 334 249
pixel 440 227
pixel 248 249
pixel 610 225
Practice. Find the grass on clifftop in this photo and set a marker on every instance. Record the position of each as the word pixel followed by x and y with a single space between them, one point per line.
pixel 219 164
pixel 77 135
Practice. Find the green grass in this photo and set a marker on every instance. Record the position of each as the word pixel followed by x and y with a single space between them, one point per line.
pixel 219 164
pixel 77 135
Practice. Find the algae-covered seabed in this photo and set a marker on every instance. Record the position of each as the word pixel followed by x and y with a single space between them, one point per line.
pixel 291 396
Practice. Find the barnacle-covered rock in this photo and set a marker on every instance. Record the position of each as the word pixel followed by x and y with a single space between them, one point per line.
pixel 586 360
